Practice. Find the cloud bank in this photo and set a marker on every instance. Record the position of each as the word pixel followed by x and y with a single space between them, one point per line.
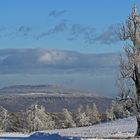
pixel 44 60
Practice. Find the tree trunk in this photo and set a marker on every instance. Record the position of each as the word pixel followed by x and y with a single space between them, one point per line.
pixel 138 127
pixel 138 91
pixel 138 109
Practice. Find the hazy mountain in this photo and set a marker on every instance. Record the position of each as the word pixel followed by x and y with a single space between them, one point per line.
pixel 53 97
pixel 27 89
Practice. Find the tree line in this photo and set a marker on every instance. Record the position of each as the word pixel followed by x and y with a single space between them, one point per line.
pixel 36 117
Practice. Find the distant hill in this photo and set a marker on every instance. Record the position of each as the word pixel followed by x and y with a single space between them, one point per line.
pixel 26 89
pixel 53 97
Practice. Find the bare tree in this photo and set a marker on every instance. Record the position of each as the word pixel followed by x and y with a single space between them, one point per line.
pixel 130 63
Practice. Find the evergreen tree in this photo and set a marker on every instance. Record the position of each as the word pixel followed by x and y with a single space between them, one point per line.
pixel 67 119
pixel 3 118
pixel 38 119
pixel 93 114
pixel 81 118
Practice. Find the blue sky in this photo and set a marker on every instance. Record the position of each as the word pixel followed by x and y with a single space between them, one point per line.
pixel 78 25
pixel 55 29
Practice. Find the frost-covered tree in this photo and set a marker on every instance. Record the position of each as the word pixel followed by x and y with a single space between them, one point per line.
pixel 16 123
pixel 81 119
pixel 67 119
pixel 130 64
pixel 117 110
pixel 38 119
pixel 110 116
pixel 93 114
pixel 3 118
pixel 88 110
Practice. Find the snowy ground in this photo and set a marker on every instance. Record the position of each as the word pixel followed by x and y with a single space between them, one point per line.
pixel 123 128
pixel 119 128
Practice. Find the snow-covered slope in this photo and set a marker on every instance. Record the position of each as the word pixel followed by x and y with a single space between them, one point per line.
pixel 119 128
pixel 122 128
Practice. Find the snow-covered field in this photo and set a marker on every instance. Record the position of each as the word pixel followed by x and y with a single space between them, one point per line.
pixel 122 128
pixel 119 128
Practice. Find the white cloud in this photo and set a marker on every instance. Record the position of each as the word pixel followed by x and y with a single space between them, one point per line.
pixel 53 57
pixel 41 60
pixel 57 57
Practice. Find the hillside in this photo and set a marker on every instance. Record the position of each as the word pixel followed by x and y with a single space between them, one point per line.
pixel 54 98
